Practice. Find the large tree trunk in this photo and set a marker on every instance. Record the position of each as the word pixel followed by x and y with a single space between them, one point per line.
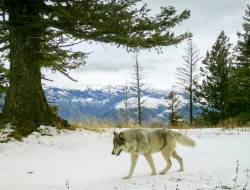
pixel 26 106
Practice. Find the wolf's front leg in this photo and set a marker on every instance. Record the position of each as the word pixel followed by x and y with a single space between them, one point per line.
pixel 134 158
pixel 150 160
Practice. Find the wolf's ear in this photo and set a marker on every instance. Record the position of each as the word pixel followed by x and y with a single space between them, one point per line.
pixel 115 133
pixel 121 136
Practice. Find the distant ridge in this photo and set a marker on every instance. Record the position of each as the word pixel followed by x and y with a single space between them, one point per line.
pixel 107 103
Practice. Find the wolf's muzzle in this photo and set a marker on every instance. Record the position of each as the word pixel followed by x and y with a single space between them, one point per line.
pixel 113 153
pixel 119 153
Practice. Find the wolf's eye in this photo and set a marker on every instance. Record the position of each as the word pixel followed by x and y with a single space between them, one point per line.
pixel 115 145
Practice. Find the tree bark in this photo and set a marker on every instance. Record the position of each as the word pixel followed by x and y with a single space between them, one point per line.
pixel 191 85
pixel 25 105
pixel 191 107
pixel 138 86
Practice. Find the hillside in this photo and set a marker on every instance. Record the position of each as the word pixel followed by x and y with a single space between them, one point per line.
pixel 104 103
pixel 108 103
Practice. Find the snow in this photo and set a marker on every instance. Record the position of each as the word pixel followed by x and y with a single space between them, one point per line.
pixel 4 132
pixel 76 86
pixel 82 160
pixel 83 100
pixel 121 105
pixel 160 115
pixel 153 102
pixel 62 92
pixel 89 101
pixel 149 102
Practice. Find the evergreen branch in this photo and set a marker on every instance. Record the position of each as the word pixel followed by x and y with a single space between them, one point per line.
pixel 67 75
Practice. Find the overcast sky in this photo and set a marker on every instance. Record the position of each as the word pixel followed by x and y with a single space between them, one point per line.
pixel 109 65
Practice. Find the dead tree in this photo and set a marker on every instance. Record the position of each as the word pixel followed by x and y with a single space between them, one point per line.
pixel 138 86
pixel 188 74
pixel 126 103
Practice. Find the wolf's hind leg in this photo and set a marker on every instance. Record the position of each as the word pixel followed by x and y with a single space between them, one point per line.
pixel 179 159
pixel 134 158
pixel 166 153
pixel 150 160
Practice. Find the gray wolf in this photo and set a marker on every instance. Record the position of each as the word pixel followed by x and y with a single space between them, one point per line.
pixel 145 141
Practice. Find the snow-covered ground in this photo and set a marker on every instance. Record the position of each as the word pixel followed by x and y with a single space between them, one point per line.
pixel 82 160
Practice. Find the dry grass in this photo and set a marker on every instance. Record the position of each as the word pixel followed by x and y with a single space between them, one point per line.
pixel 101 125
pixel 232 123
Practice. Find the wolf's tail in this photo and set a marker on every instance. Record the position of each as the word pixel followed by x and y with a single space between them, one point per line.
pixel 184 140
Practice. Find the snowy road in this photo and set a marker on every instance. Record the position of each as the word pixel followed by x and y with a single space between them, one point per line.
pixel 82 160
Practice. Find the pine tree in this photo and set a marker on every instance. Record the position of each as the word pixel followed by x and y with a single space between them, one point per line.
pixel 38 34
pixel 173 104
pixel 188 75
pixel 213 91
pixel 240 82
pixel 3 79
pixel 3 73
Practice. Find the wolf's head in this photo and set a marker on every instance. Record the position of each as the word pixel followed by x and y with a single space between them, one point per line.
pixel 119 143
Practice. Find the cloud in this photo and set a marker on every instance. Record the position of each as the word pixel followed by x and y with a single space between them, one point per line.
pixel 110 65
pixel 108 58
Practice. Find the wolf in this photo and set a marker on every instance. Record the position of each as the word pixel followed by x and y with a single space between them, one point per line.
pixel 146 141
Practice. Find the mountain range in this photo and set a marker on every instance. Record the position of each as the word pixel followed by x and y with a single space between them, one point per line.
pixel 107 103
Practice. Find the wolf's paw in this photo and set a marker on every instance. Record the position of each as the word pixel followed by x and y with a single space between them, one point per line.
pixel 127 177
pixel 162 172
pixel 153 173
pixel 180 170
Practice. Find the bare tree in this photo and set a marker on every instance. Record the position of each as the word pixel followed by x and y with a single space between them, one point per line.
pixel 173 104
pixel 188 74
pixel 126 103
pixel 138 85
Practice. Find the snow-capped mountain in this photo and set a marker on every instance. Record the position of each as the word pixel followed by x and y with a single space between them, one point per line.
pixel 107 103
